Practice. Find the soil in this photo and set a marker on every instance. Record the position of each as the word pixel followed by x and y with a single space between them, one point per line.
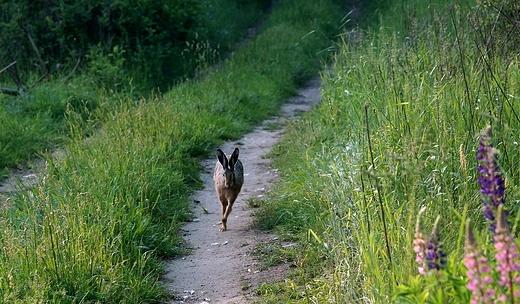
pixel 221 266
pixel 20 178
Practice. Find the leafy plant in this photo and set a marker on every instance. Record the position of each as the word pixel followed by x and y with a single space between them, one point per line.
pixel 107 70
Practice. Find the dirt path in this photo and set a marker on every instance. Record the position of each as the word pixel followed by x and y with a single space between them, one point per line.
pixel 220 267
pixel 19 179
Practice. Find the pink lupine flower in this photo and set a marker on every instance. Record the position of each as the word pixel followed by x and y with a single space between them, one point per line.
pixel 429 251
pixel 477 270
pixel 420 244
pixel 507 257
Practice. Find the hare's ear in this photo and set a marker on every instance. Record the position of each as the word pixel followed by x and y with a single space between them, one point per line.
pixel 222 159
pixel 233 159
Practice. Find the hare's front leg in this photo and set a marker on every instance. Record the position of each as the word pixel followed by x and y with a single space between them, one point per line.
pixel 225 206
pixel 227 212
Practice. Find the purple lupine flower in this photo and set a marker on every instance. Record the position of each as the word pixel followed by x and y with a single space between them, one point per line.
pixel 435 256
pixel 490 179
pixel 477 270
pixel 507 257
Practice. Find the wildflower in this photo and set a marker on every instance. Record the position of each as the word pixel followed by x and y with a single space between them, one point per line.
pixel 490 179
pixel 420 244
pixel 435 256
pixel 507 257
pixel 477 270
pixel 429 251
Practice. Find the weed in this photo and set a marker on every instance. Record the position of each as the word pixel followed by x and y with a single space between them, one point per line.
pixel 254 203
pixel 273 252
pixel 245 286
pixel 273 126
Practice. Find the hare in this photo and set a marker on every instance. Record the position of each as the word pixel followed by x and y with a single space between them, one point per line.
pixel 229 178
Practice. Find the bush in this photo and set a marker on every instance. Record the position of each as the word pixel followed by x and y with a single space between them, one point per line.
pixel 153 34
pixel 498 23
pixel 156 29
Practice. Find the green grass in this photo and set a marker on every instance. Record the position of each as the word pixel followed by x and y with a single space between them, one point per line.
pixel 35 122
pixel 397 130
pixel 98 224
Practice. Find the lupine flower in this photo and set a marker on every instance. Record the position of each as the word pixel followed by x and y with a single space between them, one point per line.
pixel 490 179
pixel 429 251
pixel 435 256
pixel 507 257
pixel 419 244
pixel 477 270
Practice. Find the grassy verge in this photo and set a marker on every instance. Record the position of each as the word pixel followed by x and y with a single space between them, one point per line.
pixel 107 210
pixel 396 131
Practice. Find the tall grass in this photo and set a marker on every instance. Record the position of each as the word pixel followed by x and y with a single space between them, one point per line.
pixel 396 131
pixel 108 208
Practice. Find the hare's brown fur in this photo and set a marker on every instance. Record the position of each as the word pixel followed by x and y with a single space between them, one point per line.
pixel 229 178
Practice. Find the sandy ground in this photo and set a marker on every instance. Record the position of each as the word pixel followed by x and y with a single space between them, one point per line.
pixel 220 267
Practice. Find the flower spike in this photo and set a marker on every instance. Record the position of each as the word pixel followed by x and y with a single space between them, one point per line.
pixel 477 270
pixel 490 179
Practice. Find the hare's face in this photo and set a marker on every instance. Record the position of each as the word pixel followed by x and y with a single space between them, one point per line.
pixel 229 177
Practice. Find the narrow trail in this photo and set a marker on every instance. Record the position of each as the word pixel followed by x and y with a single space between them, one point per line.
pixel 220 267
pixel 20 178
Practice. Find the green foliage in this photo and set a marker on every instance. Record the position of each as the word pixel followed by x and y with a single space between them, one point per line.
pixel 35 134
pixel 107 70
pixel 65 27
pixel 396 132
pixel 109 205
pixel 35 123
pixel 114 60
pixel 445 286
pixel 491 267
pixel 153 37
pixel 497 21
